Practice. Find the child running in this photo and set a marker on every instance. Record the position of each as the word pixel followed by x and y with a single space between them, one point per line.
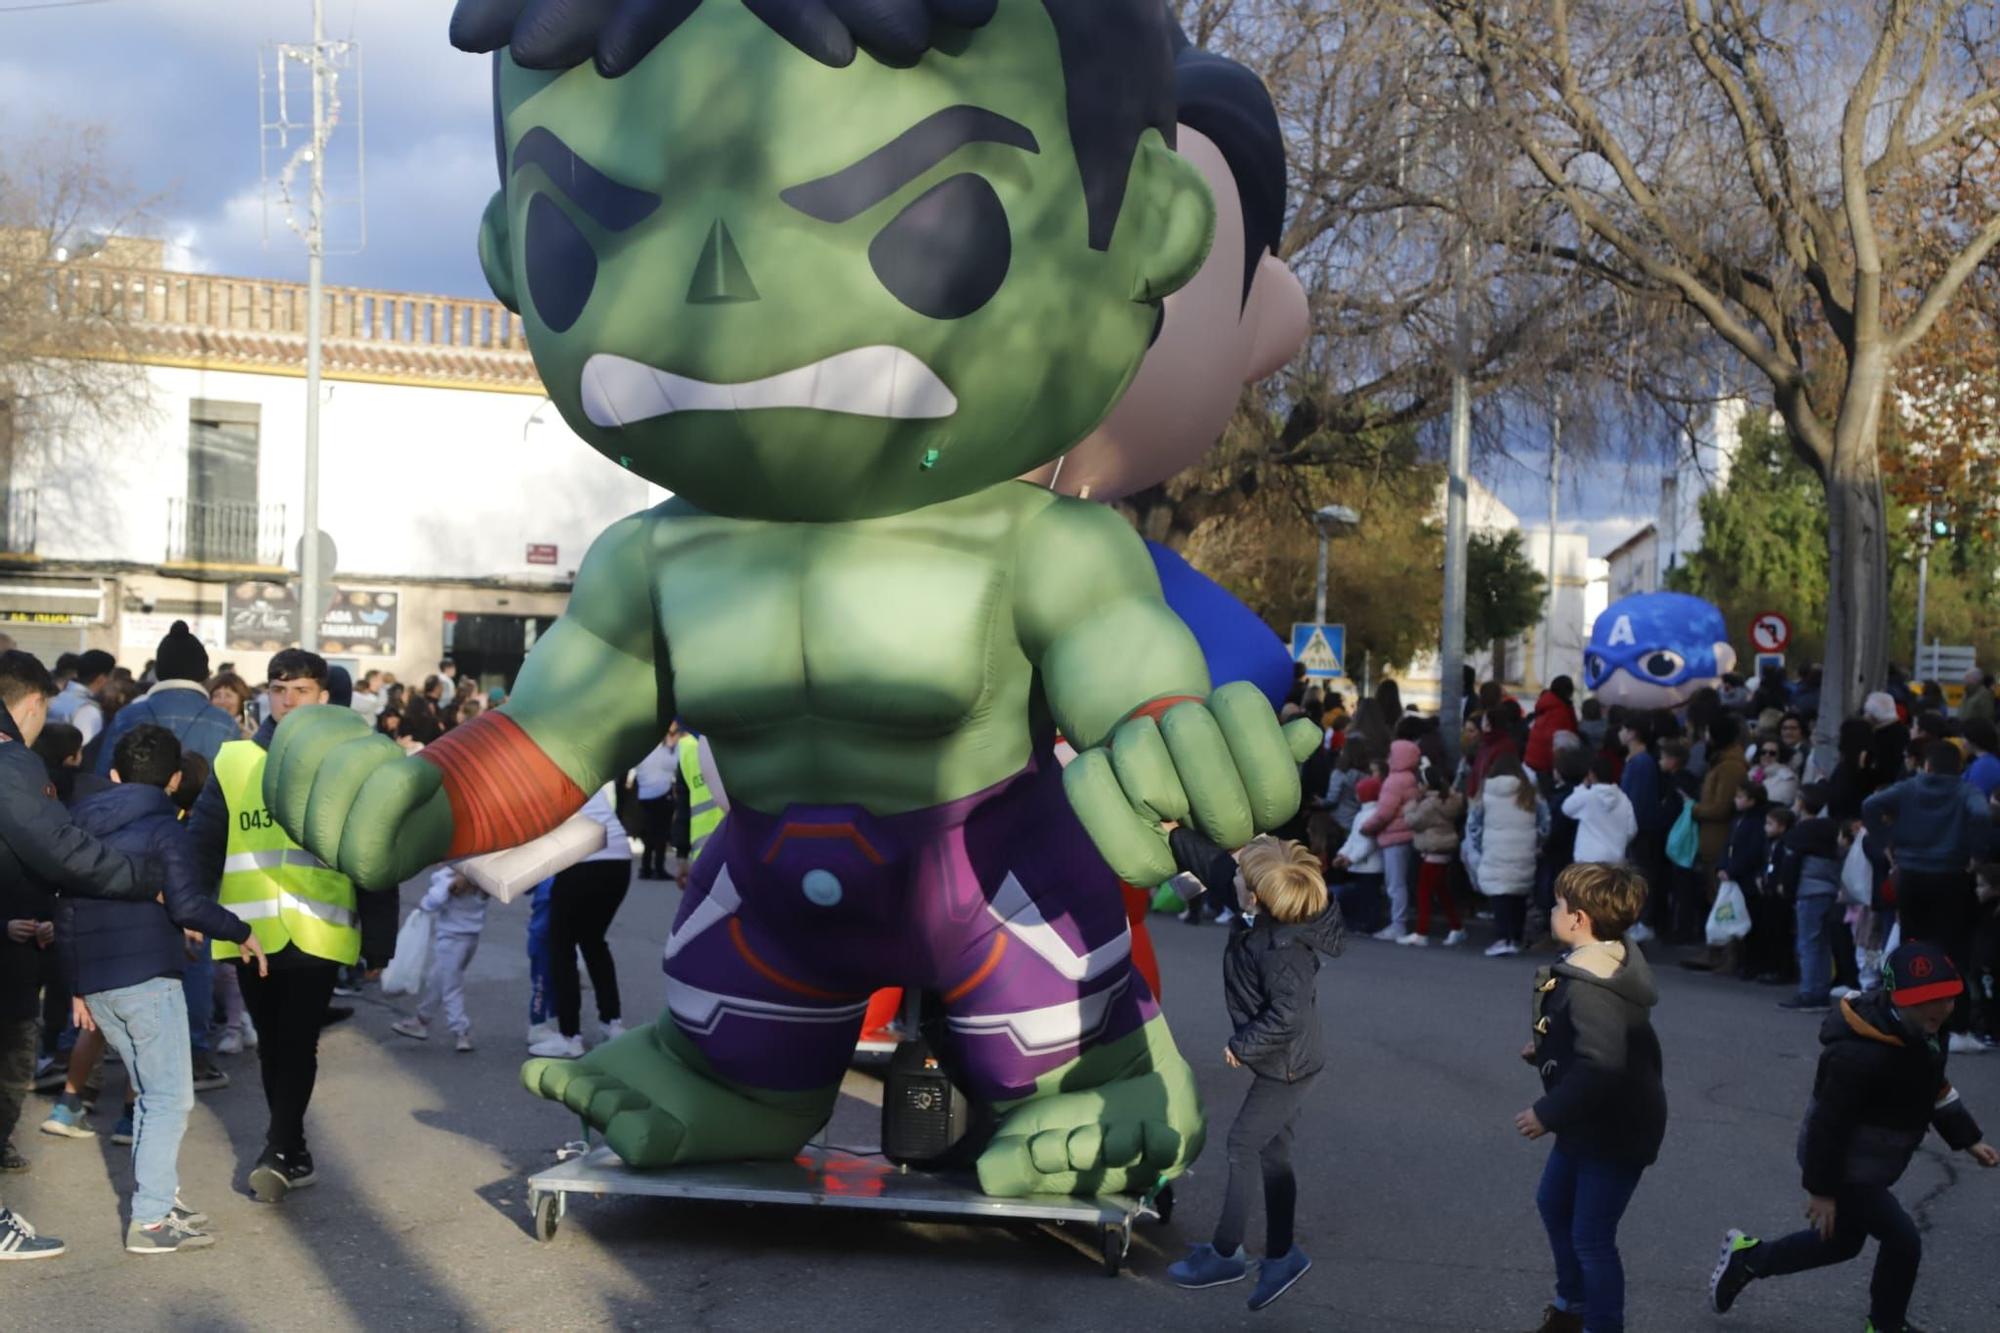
pixel 1880 1086
pixel 458 907
pixel 1603 1098
pixel 1269 982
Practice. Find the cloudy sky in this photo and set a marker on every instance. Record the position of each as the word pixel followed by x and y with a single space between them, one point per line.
pixel 174 85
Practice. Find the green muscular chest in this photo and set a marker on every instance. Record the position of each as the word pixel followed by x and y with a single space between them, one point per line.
pixel 898 629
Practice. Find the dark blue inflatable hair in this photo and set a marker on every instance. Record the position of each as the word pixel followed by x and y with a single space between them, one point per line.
pixel 1116 56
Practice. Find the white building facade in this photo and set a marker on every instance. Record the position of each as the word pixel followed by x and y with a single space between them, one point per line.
pixel 459 503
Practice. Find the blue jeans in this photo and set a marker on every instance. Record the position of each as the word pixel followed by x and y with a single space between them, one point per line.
pixel 541 1003
pixel 1815 913
pixel 147 1025
pixel 198 980
pixel 1581 1201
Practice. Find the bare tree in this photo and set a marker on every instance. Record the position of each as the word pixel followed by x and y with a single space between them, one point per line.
pixel 1736 159
pixel 66 351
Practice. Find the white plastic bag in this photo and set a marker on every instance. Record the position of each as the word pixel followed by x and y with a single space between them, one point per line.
pixel 405 973
pixel 1857 874
pixel 1729 919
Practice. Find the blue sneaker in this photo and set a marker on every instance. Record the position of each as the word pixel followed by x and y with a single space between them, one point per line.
pixel 1205 1266
pixel 68 1122
pixel 1276 1276
pixel 18 1240
pixel 121 1133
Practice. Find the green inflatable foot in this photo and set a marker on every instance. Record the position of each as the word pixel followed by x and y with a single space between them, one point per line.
pixel 657 1102
pixel 1120 1119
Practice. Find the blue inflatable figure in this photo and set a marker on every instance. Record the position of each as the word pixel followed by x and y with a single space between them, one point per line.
pixel 1655 649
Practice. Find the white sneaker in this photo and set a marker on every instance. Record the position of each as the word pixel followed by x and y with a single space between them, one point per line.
pixel 558 1047
pixel 1964 1043
pixel 1415 940
pixel 1639 933
pixel 1388 935
pixel 1456 937
pixel 542 1031
pixel 411 1027
pixel 464 1042
pixel 229 1043
pixel 249 1034
pixel 614 1029
pixel 1502 948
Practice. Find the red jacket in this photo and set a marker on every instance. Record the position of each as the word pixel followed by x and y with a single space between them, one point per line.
pixel 1552 714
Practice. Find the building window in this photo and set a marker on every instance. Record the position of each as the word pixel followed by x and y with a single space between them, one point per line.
pixel 221 513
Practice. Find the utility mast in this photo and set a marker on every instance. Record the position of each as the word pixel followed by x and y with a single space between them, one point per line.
pixel 294 135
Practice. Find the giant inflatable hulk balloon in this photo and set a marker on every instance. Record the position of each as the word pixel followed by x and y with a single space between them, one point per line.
pixel 833 272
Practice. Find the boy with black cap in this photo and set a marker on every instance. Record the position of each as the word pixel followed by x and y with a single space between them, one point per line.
pixel 1880 1085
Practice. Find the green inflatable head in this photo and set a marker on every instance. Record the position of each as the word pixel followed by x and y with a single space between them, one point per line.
pixel 833 259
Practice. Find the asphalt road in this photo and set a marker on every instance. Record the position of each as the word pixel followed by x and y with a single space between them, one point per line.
pixel 1417 1195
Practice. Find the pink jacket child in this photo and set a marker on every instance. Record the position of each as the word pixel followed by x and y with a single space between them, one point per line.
pixel 1399 790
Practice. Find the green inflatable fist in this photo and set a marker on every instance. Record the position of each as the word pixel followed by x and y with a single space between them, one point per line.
pixel 351 797
pixel 1224 765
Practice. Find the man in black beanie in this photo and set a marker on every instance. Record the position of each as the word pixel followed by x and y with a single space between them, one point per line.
pixel 179 702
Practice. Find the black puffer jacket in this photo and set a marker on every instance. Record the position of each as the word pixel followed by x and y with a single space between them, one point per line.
pixel 38 840
pixel 1879 1086
pixel 1270 983
pixel 1599 1060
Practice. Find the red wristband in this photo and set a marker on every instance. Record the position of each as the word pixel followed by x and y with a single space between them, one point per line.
pixel 503 790
pixel 1159 706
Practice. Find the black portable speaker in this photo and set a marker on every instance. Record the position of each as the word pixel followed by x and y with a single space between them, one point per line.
pixel 923 1114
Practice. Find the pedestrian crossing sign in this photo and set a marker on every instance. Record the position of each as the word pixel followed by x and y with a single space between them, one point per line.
pixel 1322 648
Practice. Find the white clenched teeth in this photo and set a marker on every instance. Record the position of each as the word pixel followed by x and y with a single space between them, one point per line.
pixel 866 382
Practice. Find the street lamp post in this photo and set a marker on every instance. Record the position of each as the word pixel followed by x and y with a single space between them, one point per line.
pixel 1328 520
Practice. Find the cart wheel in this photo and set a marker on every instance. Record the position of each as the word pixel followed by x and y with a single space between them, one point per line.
pixel 548 1216
pixel 1163 1204
pixel 1115 1239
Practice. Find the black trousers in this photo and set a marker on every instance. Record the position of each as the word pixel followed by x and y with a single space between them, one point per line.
pixel 1859 1211
pixel 581 904
pixel 656 828
pixel 1261 1141
pixel 1942 910
pixel 287 1007
pixel 17 1069
pixel 1510 916
pixel 381 913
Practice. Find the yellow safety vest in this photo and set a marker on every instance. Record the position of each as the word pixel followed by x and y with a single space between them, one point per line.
pixel 703 813
pixel 288 895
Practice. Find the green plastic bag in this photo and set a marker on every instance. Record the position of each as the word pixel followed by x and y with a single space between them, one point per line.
pixel 1684 842
pixel 1166 900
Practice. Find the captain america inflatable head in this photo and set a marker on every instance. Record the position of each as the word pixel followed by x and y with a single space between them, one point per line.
pixel 1655 649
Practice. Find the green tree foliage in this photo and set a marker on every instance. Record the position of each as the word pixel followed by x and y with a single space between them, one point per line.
pixel 1763 544
pixel 1246 521
pixel 1504 594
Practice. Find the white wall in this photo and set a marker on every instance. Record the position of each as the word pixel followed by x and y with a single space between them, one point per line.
pixel 415 482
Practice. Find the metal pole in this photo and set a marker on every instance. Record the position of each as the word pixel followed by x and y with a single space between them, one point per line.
pixel 1457 487
pixel 1923 594
pixel 1319 589
pixel 310 574
pixel 1555 501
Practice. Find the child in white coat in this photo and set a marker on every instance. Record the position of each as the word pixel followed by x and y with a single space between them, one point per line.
pixel 1605 823
pixel 458 909
pixel 1503 842
pixel 1360 858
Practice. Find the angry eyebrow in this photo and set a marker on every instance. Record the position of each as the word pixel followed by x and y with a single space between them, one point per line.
pixel 612 206
pixel 852 191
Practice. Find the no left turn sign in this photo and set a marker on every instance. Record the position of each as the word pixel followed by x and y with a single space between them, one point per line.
pixel 1770 633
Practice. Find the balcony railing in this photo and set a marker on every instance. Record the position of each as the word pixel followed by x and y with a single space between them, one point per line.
pixel 17 522
pixel 225 532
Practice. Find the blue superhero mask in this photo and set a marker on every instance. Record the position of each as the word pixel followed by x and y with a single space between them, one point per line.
pixel 1654 650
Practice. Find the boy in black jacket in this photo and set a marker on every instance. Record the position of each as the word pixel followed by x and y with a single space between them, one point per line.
pixel 1880 1086
pixel 1269 978
pixel 1603 1096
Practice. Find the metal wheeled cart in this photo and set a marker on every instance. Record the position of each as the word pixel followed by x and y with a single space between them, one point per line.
pixel 825 1177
